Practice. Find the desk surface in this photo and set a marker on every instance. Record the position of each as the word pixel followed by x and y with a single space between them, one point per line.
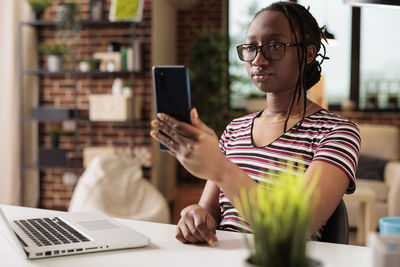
pixel 165 250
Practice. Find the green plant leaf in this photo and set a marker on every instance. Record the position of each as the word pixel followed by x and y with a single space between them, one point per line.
pixel 279 214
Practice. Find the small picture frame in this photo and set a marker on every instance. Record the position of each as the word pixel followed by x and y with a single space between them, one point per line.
pixel 126 10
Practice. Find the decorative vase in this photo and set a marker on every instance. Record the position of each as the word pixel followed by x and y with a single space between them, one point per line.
pixel 54 63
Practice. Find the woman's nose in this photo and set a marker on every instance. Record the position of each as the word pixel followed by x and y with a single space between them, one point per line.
pixel 259 59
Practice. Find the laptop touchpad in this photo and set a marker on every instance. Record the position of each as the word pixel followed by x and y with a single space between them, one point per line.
pixel 98 225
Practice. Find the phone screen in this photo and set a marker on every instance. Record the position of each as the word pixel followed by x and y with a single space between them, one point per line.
pixel 172 92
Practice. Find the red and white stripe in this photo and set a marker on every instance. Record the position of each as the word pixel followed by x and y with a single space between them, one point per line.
pixel 322 136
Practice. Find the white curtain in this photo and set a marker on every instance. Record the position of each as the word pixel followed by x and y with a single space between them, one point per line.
pixel 11 13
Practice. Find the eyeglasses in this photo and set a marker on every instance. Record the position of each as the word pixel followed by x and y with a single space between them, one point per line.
pixel 271 51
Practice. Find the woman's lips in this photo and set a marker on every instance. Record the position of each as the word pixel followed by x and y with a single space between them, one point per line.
pixel 261 76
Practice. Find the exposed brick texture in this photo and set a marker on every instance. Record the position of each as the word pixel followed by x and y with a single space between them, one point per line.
pixel 206 13
pixel 59 91
pixel 382 118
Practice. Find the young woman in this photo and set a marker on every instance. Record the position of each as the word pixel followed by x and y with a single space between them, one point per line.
pixel 281 54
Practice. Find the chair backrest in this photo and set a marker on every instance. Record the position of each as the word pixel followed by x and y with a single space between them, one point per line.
pixel 336 229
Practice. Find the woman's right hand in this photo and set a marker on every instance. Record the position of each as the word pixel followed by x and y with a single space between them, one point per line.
pixel 196 226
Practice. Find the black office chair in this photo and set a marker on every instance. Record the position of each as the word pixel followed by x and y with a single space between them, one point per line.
pixel 336 229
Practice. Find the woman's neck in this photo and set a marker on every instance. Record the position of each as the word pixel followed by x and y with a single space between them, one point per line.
pixel 279 104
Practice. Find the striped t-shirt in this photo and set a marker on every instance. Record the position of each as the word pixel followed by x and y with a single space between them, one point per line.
pixel 322 136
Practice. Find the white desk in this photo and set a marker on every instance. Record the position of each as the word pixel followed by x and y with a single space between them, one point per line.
pixel 165 250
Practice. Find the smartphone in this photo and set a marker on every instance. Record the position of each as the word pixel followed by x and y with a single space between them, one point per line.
pixel 172 92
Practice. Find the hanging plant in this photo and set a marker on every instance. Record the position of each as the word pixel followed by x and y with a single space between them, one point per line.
pixel 68 27
pixel 67 17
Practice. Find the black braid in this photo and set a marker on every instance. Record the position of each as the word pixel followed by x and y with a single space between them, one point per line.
pixel 310 33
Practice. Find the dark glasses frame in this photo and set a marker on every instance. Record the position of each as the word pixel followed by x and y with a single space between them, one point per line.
pixel 241 47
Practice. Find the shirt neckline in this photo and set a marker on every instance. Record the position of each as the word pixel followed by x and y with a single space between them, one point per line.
pixel 288 130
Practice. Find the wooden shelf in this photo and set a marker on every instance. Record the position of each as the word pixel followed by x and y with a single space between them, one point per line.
pixel 84 23
pixel 79 73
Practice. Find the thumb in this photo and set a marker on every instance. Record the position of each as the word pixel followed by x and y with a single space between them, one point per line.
pixel 194 117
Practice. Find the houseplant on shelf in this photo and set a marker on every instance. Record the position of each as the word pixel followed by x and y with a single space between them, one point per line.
pixel 38 7
pixel 68 26
pixel 279 214
pixel 55 132
pixel 54 52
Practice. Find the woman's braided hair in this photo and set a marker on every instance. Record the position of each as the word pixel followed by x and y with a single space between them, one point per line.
pixel 309 33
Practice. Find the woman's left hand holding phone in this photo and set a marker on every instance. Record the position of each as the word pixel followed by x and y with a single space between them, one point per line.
pixel 194 145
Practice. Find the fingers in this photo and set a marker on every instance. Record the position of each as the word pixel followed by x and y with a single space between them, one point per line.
pixel 195 226
pixel 206 230
pixel 173 127
pixel 194 118
pixel 179 146
pixel 179 235
pixel 187 234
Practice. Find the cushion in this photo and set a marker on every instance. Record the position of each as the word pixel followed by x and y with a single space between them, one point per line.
pixel 371 168
pixel 380 141
pixel 115 186
pixel 380 189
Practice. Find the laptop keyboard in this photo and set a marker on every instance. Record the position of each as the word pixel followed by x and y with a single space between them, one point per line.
pixel 48 232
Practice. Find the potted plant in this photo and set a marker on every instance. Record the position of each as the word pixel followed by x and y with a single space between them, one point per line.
pixel 89 63
pixel 372 100
pixel 38 7
pixel 54 52
pixel 55 132
pixel 279 215
pixel 84 65
pixel 209 89
pixel 67 17
pixel 68 28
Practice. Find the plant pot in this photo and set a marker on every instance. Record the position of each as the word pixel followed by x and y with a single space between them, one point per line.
pixel 311 263
pixel 37 15
pixel 55 142
pixel 54 63
pixel 84 66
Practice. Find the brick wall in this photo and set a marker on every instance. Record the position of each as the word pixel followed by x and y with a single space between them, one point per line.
pixel 382 118
pixel 206 13
pixel 58 91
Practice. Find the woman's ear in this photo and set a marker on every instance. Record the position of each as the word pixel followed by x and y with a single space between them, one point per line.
pixel 311 53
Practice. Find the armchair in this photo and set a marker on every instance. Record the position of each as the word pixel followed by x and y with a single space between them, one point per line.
pixel 380 142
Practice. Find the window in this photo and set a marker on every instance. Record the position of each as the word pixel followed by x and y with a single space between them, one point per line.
pixel 379 57
pixel 336 16
pixel 240 15
pixel 336 70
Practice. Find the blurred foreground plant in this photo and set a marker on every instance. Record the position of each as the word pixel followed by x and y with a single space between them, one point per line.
pixel 279 214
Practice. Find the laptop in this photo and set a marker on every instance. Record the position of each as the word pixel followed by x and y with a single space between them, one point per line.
pixel 70 233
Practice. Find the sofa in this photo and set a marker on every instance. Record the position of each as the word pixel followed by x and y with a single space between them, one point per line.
pixel 379 170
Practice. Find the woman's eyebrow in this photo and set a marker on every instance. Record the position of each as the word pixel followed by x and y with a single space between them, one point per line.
pixel 273 35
